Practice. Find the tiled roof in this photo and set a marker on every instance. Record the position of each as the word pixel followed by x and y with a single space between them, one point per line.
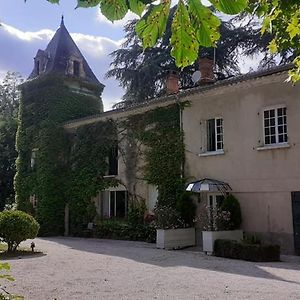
pixel 59 50
pixel 191 91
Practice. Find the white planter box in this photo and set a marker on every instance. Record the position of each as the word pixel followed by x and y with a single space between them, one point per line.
pixel 209 238
pixel 175 238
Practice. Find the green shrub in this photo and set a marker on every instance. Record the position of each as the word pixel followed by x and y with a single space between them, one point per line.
pixel 166 217
pixel 186 208
pixel 15 227
pixel 114 229
pixel 136 214
pixel 245 251
pixel 231 205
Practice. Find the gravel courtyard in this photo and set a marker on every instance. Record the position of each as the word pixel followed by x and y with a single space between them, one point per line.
pixel 75 268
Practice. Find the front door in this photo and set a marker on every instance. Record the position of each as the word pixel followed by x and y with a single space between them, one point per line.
pixel 296 220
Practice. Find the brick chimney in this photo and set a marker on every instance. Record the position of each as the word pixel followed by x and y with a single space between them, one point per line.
pixel 206 68
pixel 172 82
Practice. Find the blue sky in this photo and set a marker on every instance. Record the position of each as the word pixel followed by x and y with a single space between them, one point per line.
pixel 26 27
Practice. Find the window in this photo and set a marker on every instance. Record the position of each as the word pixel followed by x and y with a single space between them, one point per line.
pixel 214 134
pixel 113 161
pixel 215 201
pixel 37 62
pixel 76 68
pixel 33 200
pixel 33 157
pixel 118 204
pixel 275 126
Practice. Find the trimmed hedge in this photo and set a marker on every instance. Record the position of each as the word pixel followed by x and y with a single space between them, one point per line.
pixel 112 229
pixel 17 226
pixel 244 251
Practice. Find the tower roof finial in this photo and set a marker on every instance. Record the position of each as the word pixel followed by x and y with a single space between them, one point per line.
pixel 62 20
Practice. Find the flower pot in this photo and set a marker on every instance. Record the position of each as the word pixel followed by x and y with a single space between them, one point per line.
pixel 175 238
pixel 209 238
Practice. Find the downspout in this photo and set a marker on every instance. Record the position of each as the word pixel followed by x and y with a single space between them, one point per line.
pixel 181 132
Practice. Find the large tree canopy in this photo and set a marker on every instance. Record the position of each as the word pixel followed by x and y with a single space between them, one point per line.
pixel 142 72
pixel 9 102
pixel 195 26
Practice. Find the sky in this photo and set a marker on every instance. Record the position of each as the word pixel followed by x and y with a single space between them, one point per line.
pixel 27 27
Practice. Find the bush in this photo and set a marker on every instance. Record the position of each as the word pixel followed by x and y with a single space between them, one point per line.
pixel 17 226
pixel 166 217
pixel 186 208
pixel 245 251
pixel 113 229
pixel 231 205
pixel 136 214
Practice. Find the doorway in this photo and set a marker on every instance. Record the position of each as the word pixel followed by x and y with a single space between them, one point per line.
pixel 118 204
pixel 296 220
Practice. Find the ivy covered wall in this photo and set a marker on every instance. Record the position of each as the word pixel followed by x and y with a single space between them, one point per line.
pixel 158 148
pixel 46 104
pixel 69 167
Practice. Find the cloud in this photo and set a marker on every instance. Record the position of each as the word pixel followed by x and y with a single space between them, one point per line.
pixel 44 34
pixel 19 47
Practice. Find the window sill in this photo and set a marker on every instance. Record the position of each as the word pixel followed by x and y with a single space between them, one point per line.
pixel 109 176
pixel 212 153
pixel 272 147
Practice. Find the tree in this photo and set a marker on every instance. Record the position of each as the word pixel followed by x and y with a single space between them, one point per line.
pixel 142 73
pixel 17 226
pixel 9 102
pixel 195 26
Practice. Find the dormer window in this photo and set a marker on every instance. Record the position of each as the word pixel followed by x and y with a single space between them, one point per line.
pixel 37 65
pixel 76 68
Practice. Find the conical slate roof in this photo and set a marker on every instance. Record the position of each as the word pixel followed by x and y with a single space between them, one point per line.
pixel 57 56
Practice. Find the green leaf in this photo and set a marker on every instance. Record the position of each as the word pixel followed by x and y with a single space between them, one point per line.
pixel 114 9
pixel 184 42
pixel 87 3
pixel 205 23
pixel 4 266
pixel 152 26
pixel 230 7
pixel 7 277
pixel 293 28
pixel 273 48
pixel 53 1
pixel 136 6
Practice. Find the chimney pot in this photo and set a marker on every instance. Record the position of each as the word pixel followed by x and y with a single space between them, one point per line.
pixel 206 68
pixel 172 82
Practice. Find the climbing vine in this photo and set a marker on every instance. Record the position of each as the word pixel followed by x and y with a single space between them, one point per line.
pixel 69 167
pixel 47 103
pixel 162 149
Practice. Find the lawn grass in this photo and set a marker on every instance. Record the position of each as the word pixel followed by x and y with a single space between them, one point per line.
pixel 21 251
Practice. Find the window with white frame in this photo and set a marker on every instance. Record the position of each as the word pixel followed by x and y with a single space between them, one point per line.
pixel 214 134
pixel 275 125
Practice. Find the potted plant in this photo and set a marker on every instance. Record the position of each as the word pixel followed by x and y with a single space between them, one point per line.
pixel 221 223
pixel 171 231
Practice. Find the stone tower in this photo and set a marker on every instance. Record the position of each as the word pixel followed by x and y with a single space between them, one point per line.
pixel 60 88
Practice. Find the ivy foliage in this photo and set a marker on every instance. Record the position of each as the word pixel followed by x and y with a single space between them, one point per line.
pixel 160 134
pixel 46 105
pixel 91 146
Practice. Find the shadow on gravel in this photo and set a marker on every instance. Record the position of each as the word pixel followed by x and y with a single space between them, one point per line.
pixel 148 254
pixel 17 256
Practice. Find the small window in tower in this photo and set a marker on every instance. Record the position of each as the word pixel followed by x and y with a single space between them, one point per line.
pixel 76 66
pixel 38 67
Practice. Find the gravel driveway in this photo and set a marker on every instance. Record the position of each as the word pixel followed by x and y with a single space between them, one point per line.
pixel 75 268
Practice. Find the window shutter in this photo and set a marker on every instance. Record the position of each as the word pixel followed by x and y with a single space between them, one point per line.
pixel 203 136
